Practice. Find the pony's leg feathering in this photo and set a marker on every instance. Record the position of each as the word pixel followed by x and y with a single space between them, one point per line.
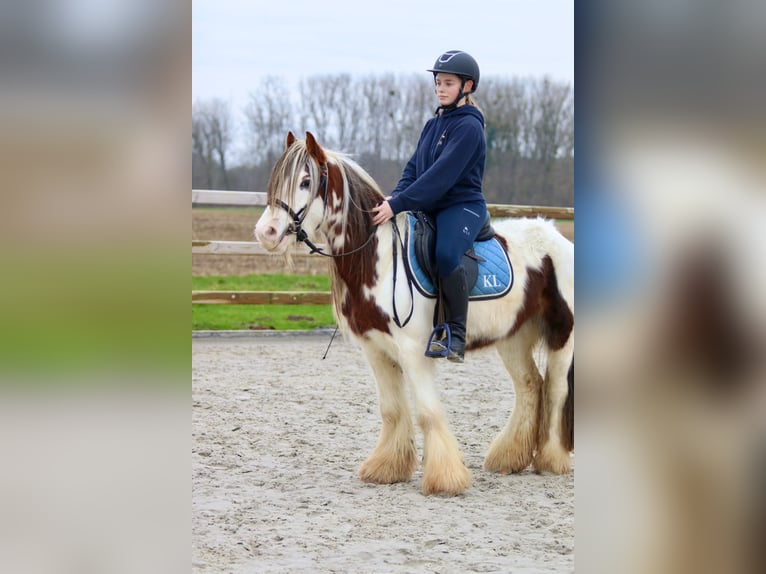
pixel 444 471
pixel 394 458
pixel 557 414
pixel 513 449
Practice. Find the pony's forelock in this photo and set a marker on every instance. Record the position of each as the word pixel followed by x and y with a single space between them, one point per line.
pixel 287 173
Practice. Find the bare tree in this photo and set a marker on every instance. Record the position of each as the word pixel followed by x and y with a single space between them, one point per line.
pixel 315 113
pixel 202 152
pixel 378 118
pixel 269 116
pixel 377 91
pixel 551 103
pixel 219 122
pixel 417 106
pixel 211 139
pixel 346 107
pixel 506 106
pixel 567 127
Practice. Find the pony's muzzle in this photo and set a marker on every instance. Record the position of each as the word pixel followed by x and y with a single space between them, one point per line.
pixel 271 235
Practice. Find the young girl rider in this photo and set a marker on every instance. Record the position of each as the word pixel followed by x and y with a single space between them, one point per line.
pixel 444 179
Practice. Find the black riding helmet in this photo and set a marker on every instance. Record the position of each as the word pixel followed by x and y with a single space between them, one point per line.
pixel 462 65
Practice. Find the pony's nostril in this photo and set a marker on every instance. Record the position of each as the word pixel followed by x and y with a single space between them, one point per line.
pixel 263 231
pixel 267 233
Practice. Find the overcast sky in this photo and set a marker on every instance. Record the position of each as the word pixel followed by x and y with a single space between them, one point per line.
pixel 237 42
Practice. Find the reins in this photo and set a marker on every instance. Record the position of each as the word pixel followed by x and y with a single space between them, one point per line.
pixel 394 236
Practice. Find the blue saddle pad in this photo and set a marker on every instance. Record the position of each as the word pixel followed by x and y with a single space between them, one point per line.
pixel 495 276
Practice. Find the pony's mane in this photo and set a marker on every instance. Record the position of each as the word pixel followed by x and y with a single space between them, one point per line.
pixel 360 194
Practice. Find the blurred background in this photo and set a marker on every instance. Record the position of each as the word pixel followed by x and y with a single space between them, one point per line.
pixel 94 346
pixel 670 195
pixel 91 182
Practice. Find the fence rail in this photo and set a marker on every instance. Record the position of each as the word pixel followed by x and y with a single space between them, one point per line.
pixel 258 199
pixel 239 248
pixel 261 297
pixel 218 197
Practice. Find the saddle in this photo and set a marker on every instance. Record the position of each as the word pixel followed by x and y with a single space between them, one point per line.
pixel 488 268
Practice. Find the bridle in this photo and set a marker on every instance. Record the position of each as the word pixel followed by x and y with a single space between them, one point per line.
pixel 296 227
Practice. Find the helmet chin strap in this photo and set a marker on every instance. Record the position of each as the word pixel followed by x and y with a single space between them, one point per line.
pixel 453 105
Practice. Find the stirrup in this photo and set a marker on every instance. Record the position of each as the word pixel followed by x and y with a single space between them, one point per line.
pixel 439 347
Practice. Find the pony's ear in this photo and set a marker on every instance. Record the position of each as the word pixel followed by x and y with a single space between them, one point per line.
pixel 290 140
pixel 315 150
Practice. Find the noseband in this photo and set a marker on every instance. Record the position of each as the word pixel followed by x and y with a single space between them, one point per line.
pixel 296 227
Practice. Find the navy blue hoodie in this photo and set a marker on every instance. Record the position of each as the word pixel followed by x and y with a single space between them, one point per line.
pixel 448 165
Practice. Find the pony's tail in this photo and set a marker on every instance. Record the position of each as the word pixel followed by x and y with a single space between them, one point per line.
pixel 567 412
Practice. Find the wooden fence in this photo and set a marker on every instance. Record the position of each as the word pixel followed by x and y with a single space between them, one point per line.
pixel 258 199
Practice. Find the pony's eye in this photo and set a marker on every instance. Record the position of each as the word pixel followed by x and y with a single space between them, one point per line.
pixel 305 184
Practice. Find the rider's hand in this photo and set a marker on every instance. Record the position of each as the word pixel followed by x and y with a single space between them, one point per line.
pixel 382 213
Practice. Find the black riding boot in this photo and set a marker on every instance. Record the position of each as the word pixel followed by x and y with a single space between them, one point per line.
pixel 455 297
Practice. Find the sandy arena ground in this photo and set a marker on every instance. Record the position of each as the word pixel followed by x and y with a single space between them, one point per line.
pixel 278 434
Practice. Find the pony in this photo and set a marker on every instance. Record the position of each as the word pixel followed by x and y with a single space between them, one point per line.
pixel 321 196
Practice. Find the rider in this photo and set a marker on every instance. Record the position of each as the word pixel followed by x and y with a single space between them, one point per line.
pixel 444 179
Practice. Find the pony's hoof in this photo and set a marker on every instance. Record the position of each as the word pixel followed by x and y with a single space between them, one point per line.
pixel 555 461
pixel 504 457
pixel 448 484
pixel 379 470
pixel 506 464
